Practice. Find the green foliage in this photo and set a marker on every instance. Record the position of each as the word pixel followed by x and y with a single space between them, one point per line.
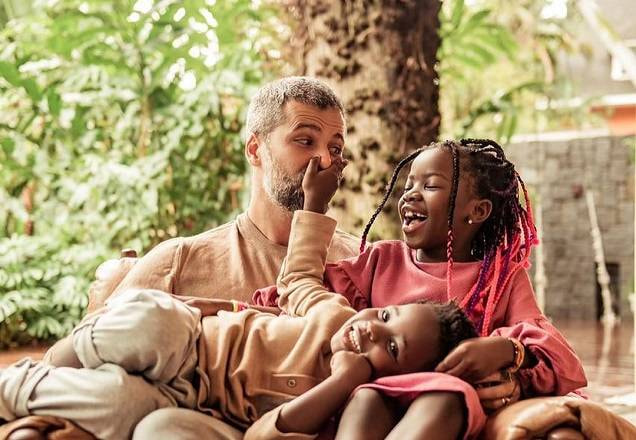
pixel 119 127
pixel 498 68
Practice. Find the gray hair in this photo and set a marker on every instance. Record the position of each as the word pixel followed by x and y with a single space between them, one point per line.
pixel 265 111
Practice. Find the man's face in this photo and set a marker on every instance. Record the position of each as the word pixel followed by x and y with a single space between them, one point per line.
pixel 306 132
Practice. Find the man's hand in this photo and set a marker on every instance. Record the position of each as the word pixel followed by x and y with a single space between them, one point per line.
pixel 353 367
pixel 498 390
pixel 319 186
pixel 477 358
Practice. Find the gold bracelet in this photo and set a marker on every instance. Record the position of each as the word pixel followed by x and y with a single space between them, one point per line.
pixel 520 355
pixel 238 306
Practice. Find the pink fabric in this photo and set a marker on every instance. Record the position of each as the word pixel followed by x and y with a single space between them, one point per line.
pixel 407 387
pixel 387 273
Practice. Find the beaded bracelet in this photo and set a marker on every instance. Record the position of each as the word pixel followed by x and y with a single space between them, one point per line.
pixel 520 354
pixel 238 306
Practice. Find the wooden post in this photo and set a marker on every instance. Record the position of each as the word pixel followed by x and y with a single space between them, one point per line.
pixel 609 318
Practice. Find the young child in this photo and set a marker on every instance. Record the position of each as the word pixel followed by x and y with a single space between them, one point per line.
pixel 239 366
pixel 467 238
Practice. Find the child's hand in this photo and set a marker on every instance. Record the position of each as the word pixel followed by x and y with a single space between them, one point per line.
pixel 498 390
pixel 319 186
pixel 477 358
pixel 353 367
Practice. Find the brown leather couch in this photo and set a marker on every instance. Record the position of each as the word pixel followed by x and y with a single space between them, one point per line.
pixel 550 418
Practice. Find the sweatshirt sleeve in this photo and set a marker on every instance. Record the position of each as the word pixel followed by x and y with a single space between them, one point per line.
pixel 300 281
pixel 558 370
pixel 158 269
pixel 265 429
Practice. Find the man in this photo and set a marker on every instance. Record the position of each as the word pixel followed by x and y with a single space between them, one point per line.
pixel 289 121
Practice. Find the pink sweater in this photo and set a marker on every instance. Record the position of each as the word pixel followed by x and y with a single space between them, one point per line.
pixel 388 273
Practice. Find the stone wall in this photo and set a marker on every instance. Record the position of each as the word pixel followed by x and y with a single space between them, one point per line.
pixel 559 170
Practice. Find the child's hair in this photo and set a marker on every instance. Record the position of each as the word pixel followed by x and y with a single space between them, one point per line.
pixel 454 326
pixel 503 241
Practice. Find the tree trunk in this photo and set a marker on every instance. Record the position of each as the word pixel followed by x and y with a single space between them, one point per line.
pixel 380 58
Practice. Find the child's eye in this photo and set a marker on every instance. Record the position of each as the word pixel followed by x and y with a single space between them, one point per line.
pixel 393 349
pixel 407 189
pixel 384 315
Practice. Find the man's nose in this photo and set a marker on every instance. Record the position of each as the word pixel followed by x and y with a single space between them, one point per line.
pixel 325 158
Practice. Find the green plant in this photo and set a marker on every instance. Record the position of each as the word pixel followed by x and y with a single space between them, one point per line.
pixel 498 69
pixel 119 127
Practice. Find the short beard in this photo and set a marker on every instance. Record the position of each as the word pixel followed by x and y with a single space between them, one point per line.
pixel 286 191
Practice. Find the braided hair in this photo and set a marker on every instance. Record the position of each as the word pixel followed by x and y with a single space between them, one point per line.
pixel 503 241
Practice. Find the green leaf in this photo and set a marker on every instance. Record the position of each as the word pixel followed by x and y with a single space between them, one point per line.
pixel 54 101
pixel 480 51
pixel 32 89
pixel 458 12
pixel 8 146
pixel 474 21
pixel 9 72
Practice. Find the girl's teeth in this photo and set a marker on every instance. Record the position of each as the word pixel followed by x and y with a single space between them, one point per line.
pixel 354 341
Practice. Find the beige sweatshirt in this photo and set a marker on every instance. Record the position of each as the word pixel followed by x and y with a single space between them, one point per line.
pixel 252 362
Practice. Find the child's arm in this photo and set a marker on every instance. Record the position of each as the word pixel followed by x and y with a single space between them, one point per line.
pixel 300 282
pixel 556 368
pixel 550 365
pixel 307 413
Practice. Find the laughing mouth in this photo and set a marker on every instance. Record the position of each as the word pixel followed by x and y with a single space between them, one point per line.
pixel 354 337
pixel 412 217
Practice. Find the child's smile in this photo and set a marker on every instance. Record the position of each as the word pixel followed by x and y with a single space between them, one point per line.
pixel 411 219
pixel 353 339
pixel 395 340
pixel 423 208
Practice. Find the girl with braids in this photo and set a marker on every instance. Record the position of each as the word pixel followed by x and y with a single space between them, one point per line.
pixel 467 238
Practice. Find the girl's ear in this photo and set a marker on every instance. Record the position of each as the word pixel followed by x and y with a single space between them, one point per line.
pixel 252 150
pixel 482 209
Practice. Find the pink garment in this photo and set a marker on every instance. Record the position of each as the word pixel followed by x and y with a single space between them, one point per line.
pixel 406 387
pixel 387 273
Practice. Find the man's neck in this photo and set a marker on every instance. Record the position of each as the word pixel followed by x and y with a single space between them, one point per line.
pixel 273 221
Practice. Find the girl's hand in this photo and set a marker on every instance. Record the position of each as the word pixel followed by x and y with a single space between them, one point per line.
pixel 498 390
pixel 352 367
pixel 319 186
pixel 477 358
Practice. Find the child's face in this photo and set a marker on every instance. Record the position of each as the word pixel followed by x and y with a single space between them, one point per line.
pixel 423 207
pixel 395 340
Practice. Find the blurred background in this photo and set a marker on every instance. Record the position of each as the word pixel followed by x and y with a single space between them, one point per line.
pixel 121 123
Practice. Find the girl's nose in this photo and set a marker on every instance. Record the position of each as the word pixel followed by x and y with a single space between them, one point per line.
pixel 412 195
pixel 372 331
